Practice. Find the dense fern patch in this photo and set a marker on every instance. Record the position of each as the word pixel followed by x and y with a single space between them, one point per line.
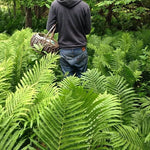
pixel 125 54
pixel 100 110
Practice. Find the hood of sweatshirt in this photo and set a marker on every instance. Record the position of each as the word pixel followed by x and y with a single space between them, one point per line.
pixel 69 3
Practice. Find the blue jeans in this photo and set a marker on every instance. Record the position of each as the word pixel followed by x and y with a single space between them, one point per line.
pixel 73 61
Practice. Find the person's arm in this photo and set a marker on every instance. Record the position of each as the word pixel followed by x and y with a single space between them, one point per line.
pixel 88 21
pixel 51 18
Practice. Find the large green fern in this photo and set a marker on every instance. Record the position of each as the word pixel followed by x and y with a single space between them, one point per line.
pixel 141 121
pixel 18 48
pixel 116 85
pixel 93 79
pixel 125 137
pixel 76 117
pixel 63 125
pixel 23 107
pixel 116 55
pixel 6 72
pixel 91 112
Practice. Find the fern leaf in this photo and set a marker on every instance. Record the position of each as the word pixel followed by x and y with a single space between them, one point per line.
pixel 44 98
pixel 56 124
pixel 9 136
pixel 17 46
pixel 116 60
pixel 126 42
pixel 18 103
pixel 3 36
pixel 41 73
pixel 116 85
pixel 104 113
pixel 6 72
pixel 93 79
pixel 146 103
pixel 126 138
pixel 128 74
pixel 69 83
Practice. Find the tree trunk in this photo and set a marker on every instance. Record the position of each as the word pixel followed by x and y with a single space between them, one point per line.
pixel 28 22
pixel 40 11
pixel 14 7
pixel 22 8
pixel 109 15
pixel 8 8
pixel 37 11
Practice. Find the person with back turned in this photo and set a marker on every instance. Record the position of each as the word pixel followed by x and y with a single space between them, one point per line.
pixel 73 23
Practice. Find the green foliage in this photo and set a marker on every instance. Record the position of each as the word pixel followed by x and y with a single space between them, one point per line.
pixel 30 3
pixel 10 133
pixel 18 48
pixel 8 23
pixel 122 54
pixel 141 121
pixel 115 2
pixel 114 85
pixel 126 138
pixel 94 80
pixel 100 110
pixel 76 117
pixel 129 102
pixel 68 124
pixel 6 70
pixel 113 15
pixel 22 107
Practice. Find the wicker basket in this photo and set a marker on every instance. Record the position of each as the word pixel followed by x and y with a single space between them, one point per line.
pixel 47 41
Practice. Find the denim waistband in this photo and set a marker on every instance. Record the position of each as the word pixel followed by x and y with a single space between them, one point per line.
pixel 74 48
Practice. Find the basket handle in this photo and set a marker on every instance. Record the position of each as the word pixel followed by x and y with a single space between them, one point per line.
pixel 52 31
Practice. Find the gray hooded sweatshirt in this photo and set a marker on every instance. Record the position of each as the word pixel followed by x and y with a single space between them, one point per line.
pixel 73 21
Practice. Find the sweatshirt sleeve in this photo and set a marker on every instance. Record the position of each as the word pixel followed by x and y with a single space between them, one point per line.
pixel 88 21
pixel 51 18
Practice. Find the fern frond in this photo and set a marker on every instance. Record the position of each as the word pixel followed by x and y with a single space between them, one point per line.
pixel 126 138
pixel 6 72
pixel 18 103
pixel 13 116
pixel 116 85
pixel 145 103
pixel 116 60
pixel 125 42
pixel 42 100
pixel 6 49
pixel 140 122
pixel 107 39
pixel 18 47
pixel 134 66
pixel 103 110
pixel 100 64
pixel 94 40
pixel 3 36
pixel 69 83
pixel 10 134
pixel 21 52
pixel 135 51
pixel 41 73
pixel 144 34
pixel 147 139
pixel 128 74
pixel 102 57
pixel 93 79
pixel 34 88
pixel 64 124
pixel 142 118
pixel 104 113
